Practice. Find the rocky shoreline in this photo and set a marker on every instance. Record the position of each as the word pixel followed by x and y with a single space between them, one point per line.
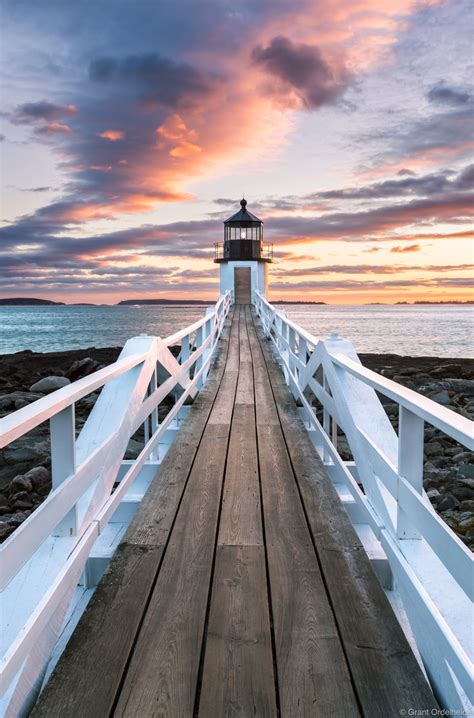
pixel 25 478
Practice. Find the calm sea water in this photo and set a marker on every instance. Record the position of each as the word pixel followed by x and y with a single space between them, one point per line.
pixel 439 330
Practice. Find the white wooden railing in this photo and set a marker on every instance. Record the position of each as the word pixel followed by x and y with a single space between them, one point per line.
pixel 42 562
pixel 432 568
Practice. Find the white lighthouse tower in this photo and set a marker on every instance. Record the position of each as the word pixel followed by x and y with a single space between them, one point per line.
pixel 244 257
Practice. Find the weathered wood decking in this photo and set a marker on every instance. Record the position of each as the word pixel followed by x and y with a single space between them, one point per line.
pixel 241 588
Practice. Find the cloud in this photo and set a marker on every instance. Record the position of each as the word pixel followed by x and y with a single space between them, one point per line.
pixel 301 75
pixel 53 128
pixel 112 135
pixel 345 269
pixel 442 93
pixel 156 80
pixel 47 111
pixel 403 249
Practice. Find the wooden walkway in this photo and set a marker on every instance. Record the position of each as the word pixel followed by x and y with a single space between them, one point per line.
pixel 241 588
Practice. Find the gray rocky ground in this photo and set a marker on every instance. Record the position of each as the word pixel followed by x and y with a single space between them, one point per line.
pixel 25 478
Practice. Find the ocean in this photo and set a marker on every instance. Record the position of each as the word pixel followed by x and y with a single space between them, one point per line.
pixel 421 330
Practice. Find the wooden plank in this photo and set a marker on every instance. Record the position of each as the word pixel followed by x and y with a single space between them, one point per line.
pixel 385 673
pixel 245 355
pixel 224 404
pixel 313 676
pixel 265 406
pixel 245 392
pixel 162 675
pixel 107 631
pixel 240 523
pixel 238 672
pixel 232 362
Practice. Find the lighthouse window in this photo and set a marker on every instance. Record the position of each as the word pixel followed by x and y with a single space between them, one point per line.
pixel 243 233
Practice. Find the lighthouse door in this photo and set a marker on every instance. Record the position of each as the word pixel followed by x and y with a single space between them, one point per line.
pixel 242 285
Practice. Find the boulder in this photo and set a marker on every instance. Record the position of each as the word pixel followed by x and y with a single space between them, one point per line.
pixel 434 495
pixel 50 384
pixel 447 371
pixel 433 448
pixel 81 368
pixel 442 397
pixel 448 502
pixel 21 454
pixel 40 479
pixel 466 471
pixel 20 483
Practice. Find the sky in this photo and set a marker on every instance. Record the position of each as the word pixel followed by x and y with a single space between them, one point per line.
pixel 130 130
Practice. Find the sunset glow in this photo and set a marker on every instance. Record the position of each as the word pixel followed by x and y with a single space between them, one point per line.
pixel 348 124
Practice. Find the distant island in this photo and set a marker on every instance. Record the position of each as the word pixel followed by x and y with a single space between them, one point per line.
pixel 25 301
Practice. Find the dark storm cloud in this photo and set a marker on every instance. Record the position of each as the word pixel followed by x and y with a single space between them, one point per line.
pixel 153 78
pixel 303 70
pixel 442 93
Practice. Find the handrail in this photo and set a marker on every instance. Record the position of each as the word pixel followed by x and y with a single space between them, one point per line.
pixel 432 566
pixel 28 417
pixel 82 499
pixel 444 419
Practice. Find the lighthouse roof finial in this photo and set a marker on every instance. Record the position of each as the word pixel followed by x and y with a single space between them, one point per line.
pixel 243 203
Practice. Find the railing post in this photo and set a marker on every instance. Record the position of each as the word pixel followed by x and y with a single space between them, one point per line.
pixel 63 461
pixel 326 422
pixel 410 464
pixel 154 417
pixel 198 340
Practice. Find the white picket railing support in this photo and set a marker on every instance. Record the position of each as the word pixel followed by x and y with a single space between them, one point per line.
pixel 42 561
pixel 432 568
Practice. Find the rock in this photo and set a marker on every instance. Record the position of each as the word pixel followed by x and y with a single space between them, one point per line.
pixel 462 492
pixel 462 386
pixel 50 384
pixel 466 524
pixel 467 505
pixel 40 479
pixel 17 518
pixel 9 401
pixel 466 471
pixel 5 530
pixel 81 368
pixel 20 483
pixel 434 495
pixel 19 496
pixel 442 397
pixel 23 503
pixel 462 456
pixel 433 448
pixel 448 502
pixel 21 454
pixel 448 370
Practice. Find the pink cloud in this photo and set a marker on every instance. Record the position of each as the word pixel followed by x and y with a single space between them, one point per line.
pixel 112 135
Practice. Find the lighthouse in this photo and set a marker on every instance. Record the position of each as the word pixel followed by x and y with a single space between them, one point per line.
pixel 243 257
